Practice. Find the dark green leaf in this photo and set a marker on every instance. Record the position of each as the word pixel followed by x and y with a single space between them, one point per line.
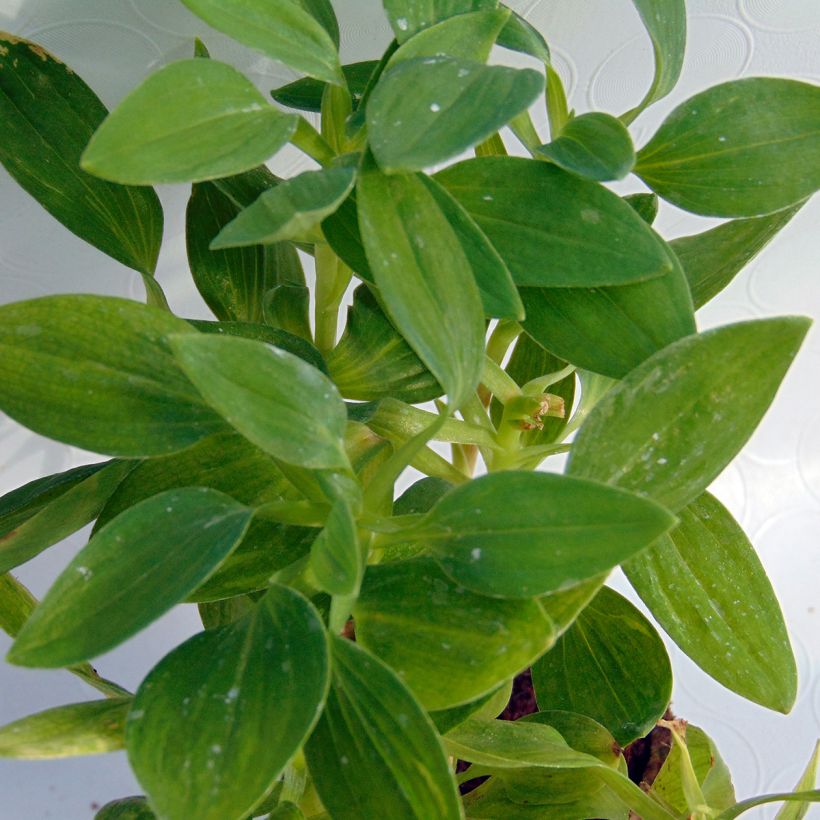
pixel 646 206
pixel 665 22
pixel 274 399
pixel 190 121
pixel 518 534
pixel 214 614
pixel 217 720
pixel 424 278
pixel 670 427
pixel 342 233
pixel 410 16
pixel 705 585
pixel 711 259
pixel 374 752
pixel 429 109
pixel 372 360
pixel 477 642
pixel 97 372
pixel 322 11
pixel 287 307
pixel 49 115
pixel 291 32
pixel 611 665
pixel 291 210
pixel 421 496
pixel 743 148
pixel 91 728
pixel 135 569
pixel 127 808
pixel 595 145
pixel 335 557
pixel 520 35
pixel 553 228
pixel 306 93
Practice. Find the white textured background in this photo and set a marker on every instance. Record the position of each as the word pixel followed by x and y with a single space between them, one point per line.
pixel 599 48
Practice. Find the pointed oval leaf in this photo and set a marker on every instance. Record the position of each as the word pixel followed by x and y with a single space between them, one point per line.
pixel 374 752
pixel 595 145
pixel 126 808
pixel 424 277
pixel 743 148
pixel 90 728
pixel 281 29
pixel 610 665
pixel 519 534
pixel 277 401
pixel 407 17
pixel 97 372
pixel 149 137
pixel 49 115
pixel 797 811
pixel 520 35
pixel 135 569
pixel 553 228
pixel 705 585
pixel 670 427
pixel 429 109
pixel 477 642
pixel 306 93
pixel 322 11
pixel 335 556
pixel 488 706
pixel 216 721
pixel 291 210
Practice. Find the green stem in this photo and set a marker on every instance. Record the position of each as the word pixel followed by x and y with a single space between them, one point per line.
pixel 540 384
pixel 504 334
pixel 308 140
pixel 498 381
pixel 556 99
pixel 332 279
pixel 524 129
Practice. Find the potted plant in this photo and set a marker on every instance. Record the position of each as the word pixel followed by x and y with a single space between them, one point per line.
pixel 358 647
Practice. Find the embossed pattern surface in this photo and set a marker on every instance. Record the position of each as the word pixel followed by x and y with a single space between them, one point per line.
pixel 773 488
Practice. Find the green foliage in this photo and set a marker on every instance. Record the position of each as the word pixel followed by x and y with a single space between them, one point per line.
pixel 257 454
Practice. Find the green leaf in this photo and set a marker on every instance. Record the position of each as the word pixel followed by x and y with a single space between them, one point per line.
pixel 711 259
pixel 565 606
pixel 322 11
pixel 45 511
pixel 374 752
pixel 518 534
pixel 126 808
pixel 611 665
pixel 131 572
pixel 429 109
pixel 477 642
pixel 424 278
pixel 306 93
pixel 743 148
pixel 520 35
pixel 595 145
pixel 341 230
pixel 281 29
pixel 665 22
pixel 798 811
pixel 286 811
pixel 190 121
pixel 421 496
pixel 488 706
pixel 214 614
pixel 217 720
pixel 335 557
pixel 97 372
pixel 91 728
pixel 16 604
pixel 645 205
pixel 291 210
pixel 553 228
pixel 373 361
pixel 811 796
pixel 287 307
pixel 49 115
pixel 670 427
pixel 705 585
pixel 407 17
pixel 280 403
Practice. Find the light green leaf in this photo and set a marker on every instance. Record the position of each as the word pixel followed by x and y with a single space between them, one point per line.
pixel 811 796
pixel 45 511
pixel 477 642
pixel 135 569
pixel 705 585
pixel 518 534
pixel 670 427
pixel 665 22
pixel 374 752
pixel 520 35
pixel 190 121
pixel 610 665
pixel 97 372
pixel 281 29
pixel 216 721
pixel 127 808
pixel 424 278
pixel 429 109
pixel 48 116
pixel 797 811
pixel 280 403
pixel 711 259
pixel 291 210
pixel 743 148
pixel 306 93
pixel 553 228
pixel 90 728
pixel 335 557
pixel 595 145
pixel 407 17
